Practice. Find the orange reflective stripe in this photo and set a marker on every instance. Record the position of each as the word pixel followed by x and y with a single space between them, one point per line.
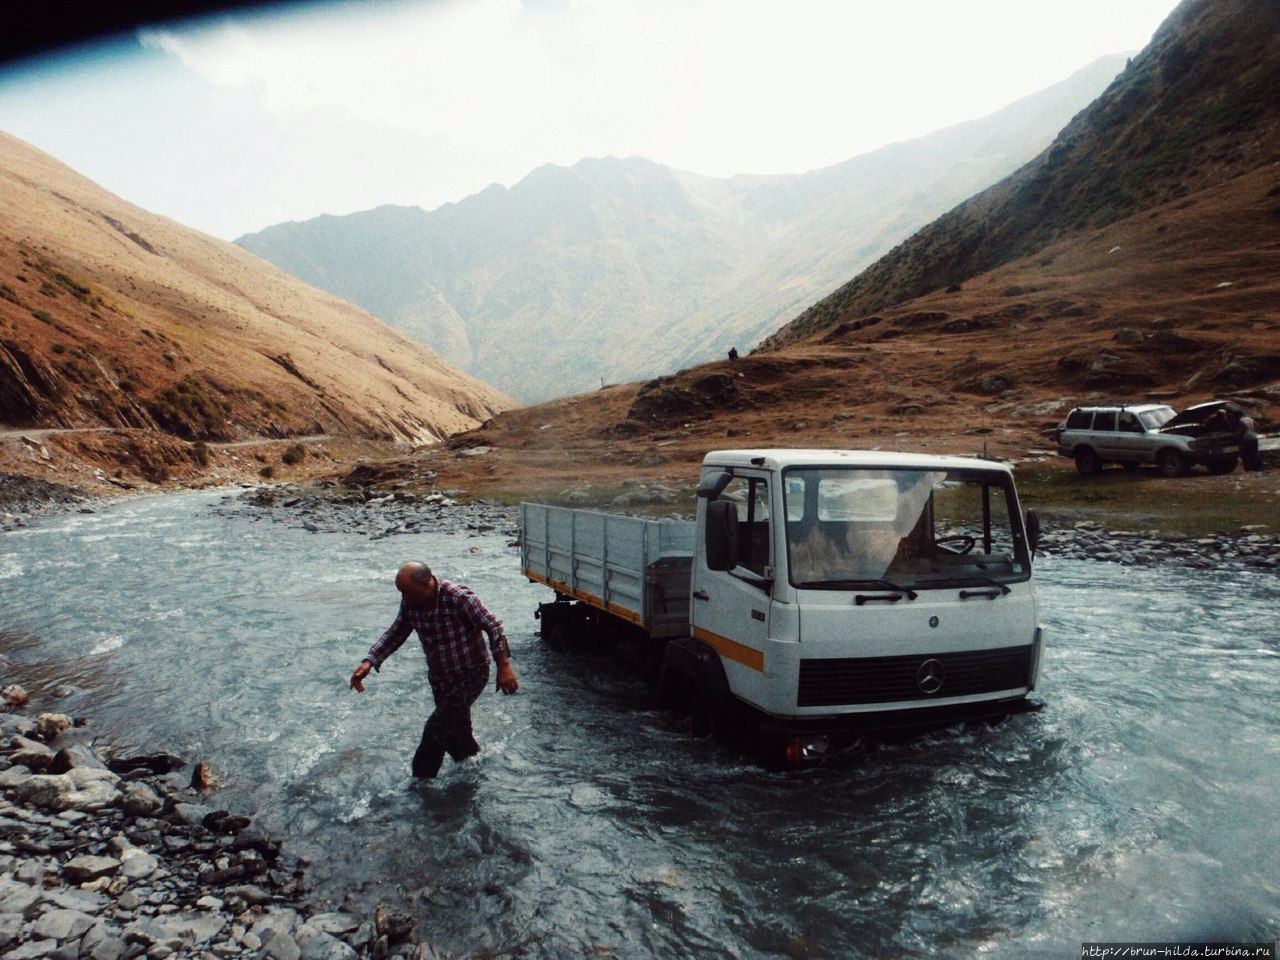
pixel 735 651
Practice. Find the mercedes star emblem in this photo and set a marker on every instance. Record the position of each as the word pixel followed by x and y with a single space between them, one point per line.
pixel 930 675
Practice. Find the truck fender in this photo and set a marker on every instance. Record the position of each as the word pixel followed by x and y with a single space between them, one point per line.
pixel 697 661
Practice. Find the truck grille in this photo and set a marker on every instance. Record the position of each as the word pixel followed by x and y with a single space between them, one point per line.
pixel 856 680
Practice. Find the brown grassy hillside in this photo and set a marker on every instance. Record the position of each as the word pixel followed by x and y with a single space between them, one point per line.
pixel 112 316
pixel 1179 303
pixel 1198 107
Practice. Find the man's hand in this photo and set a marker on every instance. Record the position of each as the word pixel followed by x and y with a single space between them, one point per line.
pixel 507 682
pixel 362 671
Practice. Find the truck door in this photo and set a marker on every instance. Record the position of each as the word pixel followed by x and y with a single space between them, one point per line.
pixel 730 610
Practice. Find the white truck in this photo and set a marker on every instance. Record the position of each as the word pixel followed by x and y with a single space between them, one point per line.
pixel 819 595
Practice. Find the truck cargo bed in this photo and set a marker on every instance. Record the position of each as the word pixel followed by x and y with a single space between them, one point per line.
pixel 635 569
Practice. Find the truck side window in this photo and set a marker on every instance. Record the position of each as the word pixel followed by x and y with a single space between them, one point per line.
pixel 1129 423
pixel 1079 420
pixel 751 495
pixel 1105 420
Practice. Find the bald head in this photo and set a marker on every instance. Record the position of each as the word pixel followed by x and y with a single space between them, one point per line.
pixel 416 583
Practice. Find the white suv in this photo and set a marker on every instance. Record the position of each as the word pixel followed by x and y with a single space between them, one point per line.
pixel 1148 433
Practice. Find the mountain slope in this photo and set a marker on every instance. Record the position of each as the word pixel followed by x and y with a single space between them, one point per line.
pixel 112 316
pixel 614 269
pixel 1195 108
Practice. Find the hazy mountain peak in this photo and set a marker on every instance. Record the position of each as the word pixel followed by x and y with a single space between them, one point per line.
pixel 620 267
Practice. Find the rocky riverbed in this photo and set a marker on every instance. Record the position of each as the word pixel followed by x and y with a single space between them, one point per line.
pixel 104 857
pixel 377 513
pixel 24 498
pixel 1249 549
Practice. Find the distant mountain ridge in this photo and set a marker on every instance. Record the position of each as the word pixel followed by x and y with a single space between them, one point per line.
pixel 615 269
pixel 1198 106
pixel 114 317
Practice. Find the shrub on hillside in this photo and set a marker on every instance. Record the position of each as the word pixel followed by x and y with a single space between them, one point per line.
pixel 295 454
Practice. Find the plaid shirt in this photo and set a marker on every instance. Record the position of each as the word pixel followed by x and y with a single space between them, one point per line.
pixel 450 633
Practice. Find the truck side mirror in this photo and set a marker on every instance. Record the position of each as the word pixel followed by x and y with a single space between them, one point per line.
pixel 721 535
pixel 1033 530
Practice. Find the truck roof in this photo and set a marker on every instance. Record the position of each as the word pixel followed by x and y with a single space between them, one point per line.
pixel 885 459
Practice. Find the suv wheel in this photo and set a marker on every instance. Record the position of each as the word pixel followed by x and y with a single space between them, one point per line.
pixel 1172 463
pixel 1087 462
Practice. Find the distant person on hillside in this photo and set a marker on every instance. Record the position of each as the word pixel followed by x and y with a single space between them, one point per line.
pixel 733 353
pixel 450 621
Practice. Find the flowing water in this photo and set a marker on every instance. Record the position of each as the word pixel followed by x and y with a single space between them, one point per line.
pixel 1139 805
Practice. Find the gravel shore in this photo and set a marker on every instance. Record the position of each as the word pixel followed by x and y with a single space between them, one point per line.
pixel 104 857
pixel 376 514
pixel 379 514
pixel 25 498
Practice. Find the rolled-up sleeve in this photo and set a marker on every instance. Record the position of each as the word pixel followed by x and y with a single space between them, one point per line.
pixel 479 614
pixel 390 642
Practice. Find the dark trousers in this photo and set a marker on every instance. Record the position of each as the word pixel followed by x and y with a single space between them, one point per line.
pixel 448 729
pixel 1249 453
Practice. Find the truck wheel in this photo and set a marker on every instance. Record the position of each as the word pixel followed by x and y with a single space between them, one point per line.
pixel 1172 463
pixel 1087 462
pixel 558 638
pixel 1222 465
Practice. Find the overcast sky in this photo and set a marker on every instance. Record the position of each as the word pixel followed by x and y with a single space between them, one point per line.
pixel 234 123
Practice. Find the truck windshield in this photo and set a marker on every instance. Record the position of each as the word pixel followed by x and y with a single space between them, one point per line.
pixel 1157 418
pixel 918 528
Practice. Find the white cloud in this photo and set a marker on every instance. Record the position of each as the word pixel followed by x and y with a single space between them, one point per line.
pixel 716 85
pixel 241 121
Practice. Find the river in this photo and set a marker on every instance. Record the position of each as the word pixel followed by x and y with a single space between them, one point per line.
pixel 1139 805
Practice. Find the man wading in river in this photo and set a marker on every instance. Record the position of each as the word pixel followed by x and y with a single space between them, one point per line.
pixel 449 619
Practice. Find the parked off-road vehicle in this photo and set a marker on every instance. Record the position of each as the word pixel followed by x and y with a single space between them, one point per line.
pixel 1132 435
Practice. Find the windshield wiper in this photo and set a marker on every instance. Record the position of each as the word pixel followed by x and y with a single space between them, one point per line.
pixel 851 584
pixel 1003 588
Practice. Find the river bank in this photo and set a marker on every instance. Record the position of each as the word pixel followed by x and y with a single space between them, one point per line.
pixel 113 857
pixel 379 513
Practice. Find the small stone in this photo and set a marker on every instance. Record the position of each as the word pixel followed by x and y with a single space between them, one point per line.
pixel 315 944
pixel 138 864
pixel 89 867
pixel 139 800
pixel 49 725
pixel 209 903
pixel 31 754
pixel 202 777
pixel 15 695
pixel 130 900
pixel 32 950
pixel 62 924
pixel 279 946
pixel 192 814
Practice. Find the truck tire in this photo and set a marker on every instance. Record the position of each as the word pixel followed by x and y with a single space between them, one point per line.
pixel 1222 465
pixel 692 682
pixel 1172 463
pixel 1088 463
pixel 558 637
